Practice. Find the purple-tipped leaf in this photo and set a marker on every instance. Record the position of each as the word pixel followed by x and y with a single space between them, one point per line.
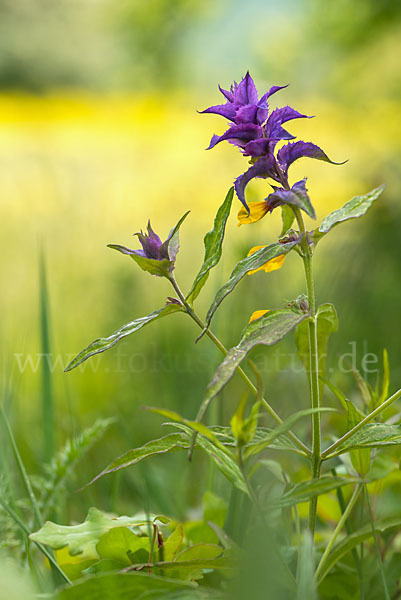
pixel 246 92
pixel 239 135
pixel 273 90
pixel 224 110
pixel 262 168
pixel 296 196
pixel 295 150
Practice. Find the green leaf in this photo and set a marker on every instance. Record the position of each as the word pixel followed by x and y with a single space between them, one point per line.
pixel 282 442
pixel 154 266
pixel 249 263
pixel 372 435
pixel 273 434
pixel 194 425
pixel 237 420
pixel 222 458
pixel 287 217
pixel 117 543
pixel 306 490
pixel 355 539
pixel 173 543
pixel 360 459
pixel 327 323
pixel 386 378
pixel 121 586
pixel 356 207
pixel 168 443
pixel 267 330
pixel 363 387
pixel 83 538
pixel 213 242
pixel 103 344
pixel 192 560
pixel 224 462
pixel 244 429
pixel 172 241
pixel 341 397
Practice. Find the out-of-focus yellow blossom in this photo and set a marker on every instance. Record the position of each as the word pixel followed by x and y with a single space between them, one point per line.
pixel 272 265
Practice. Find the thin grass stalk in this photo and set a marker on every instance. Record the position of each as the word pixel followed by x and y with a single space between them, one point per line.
pixel 21 467
pixel 376 542
pixel 27 532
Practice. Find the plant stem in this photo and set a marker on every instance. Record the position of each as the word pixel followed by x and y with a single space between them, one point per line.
pixel 241 372
pixel 313 363
pixel 328 453
pixel 337 530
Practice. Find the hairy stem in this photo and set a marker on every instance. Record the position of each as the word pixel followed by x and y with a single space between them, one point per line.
pixel 240 371
pixel 314 363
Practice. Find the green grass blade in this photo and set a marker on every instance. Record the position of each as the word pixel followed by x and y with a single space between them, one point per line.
pixel 27 532
pixel 47 392
pixel 21 468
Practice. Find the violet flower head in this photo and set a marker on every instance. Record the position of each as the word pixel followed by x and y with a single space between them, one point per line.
pixel 257 130
pixel 155 256
pixel 152 246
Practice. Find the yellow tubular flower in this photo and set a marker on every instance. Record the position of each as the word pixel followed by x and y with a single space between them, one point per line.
pixel 272 265
pixel 257 314
pixel 257 212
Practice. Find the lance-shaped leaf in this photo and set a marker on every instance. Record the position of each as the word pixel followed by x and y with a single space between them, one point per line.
pixel 222 457
pixel 272 435
pixel 355 539
pixel 386 378
pixel 103 344
pixel 267 330
pixel 356 207
pixel 213 242
pixel 194 425
pixel 360 459
pixel 281 442
pixel 250 263
pixel 306 490
pixel 121 586
pixel 371 435
pixel 168 443
pixel 83 538
pixel 327 323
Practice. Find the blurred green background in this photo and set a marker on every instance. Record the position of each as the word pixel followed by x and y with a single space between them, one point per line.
pixel 99 132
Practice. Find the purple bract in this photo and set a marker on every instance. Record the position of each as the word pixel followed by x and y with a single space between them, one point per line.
pixel 256 131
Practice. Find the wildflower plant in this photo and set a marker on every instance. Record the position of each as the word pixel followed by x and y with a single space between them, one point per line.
pixel 239 448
